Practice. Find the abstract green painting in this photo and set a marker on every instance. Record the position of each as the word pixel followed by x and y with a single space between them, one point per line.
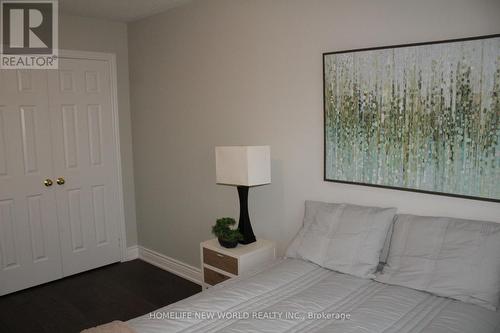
pixel 420 117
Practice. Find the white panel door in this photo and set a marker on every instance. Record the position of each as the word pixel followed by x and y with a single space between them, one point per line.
pixel 85 156
pixel 29 237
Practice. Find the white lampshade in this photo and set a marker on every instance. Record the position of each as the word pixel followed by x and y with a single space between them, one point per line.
pixel 243 165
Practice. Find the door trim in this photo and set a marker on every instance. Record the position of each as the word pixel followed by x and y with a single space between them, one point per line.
pixel 111 59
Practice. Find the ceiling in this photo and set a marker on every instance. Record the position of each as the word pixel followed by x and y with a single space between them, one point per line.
pixel 117 10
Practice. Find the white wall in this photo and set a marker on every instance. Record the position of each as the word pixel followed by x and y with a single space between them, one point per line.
pixel 88 34
pixel 224 72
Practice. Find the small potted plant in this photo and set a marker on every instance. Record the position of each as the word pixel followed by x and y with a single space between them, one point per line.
pixel 227 236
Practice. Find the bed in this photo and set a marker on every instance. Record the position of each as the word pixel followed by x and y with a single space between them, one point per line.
pixel 357 269
pixel 310 298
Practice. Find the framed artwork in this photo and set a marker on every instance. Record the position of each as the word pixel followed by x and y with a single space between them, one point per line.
pixel 419 117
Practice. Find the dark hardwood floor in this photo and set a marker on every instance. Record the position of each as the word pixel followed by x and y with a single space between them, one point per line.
pixel 117 292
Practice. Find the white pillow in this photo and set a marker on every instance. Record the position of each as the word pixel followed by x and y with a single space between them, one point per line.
pixel 448 257
pixel 342 237
pixel 311 208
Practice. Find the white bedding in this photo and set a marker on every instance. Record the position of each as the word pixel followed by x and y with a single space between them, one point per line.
pixel 300 289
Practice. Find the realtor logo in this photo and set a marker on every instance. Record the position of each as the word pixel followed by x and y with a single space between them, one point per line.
pixel 29 34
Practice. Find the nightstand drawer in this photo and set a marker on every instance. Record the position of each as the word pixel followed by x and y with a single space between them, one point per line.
pixel 212 277
pixel 220 261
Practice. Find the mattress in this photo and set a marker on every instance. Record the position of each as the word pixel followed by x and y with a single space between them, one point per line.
pixel 297 296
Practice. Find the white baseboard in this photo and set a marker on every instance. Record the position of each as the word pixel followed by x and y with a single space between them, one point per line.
pixel 171 265
pixel 132 253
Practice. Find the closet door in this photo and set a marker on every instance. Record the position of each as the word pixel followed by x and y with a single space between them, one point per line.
pixel 29 236
pixel 85 160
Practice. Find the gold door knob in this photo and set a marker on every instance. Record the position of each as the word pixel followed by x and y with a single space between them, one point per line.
pixel 48 182
pixel 60 181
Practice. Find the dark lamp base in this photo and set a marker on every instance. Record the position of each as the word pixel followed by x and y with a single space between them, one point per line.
pixel 244 225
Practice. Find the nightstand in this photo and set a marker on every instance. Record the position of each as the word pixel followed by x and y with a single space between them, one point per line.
pixel 220 263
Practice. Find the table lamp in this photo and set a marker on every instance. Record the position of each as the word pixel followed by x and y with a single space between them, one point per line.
pixel 243 166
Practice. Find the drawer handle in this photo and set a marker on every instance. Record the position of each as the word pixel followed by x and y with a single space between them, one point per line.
pixel 220 255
